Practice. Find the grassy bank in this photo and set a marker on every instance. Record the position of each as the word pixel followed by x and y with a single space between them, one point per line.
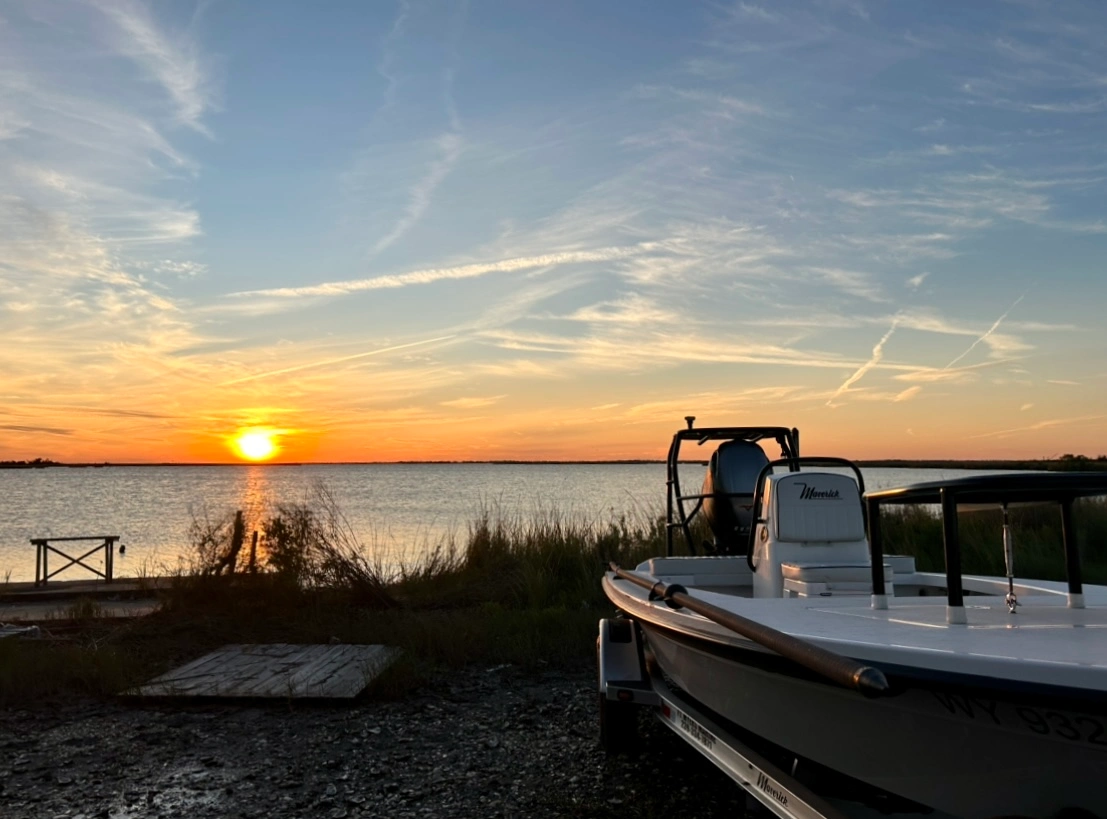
pixel 514 590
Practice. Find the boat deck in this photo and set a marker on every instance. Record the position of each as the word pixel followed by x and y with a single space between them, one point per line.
pixel 1026 646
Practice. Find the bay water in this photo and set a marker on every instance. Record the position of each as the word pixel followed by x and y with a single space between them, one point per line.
pixel 396 511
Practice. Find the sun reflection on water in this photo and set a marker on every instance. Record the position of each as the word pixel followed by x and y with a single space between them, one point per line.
pixel 254 501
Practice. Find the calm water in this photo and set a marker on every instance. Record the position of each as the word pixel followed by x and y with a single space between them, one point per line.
pixel 394 509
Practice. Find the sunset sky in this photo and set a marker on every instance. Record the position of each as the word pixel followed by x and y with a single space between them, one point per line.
pixel 483 230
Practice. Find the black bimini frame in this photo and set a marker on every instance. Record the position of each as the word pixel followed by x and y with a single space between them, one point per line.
pixel 1062 488
pixel 676 515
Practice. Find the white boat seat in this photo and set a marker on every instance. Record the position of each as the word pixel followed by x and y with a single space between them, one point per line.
pixel 723 570
pixel 901 564
pixel 817 507
pixel 826 579
pixel 832 573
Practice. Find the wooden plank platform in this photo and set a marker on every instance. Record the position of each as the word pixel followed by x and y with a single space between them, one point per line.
pixel 278 670
pixel 121 587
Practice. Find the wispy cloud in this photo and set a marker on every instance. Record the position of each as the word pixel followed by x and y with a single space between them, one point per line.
pixel 758 13
pixel 719 104
pixel 915 282
pixel 612 349
pixel 466 271
pixel 851 281
pixel 633 310
pixel 43 430
pixel 385 65
pixel 172 62
pixel 473 402
pixel 934 125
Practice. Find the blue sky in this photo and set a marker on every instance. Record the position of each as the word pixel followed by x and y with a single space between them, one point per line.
pixel 465 230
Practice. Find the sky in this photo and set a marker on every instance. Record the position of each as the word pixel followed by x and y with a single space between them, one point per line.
pixel 490 230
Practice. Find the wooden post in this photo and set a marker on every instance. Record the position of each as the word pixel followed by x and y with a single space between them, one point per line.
pixel 254 553
pixel 238 536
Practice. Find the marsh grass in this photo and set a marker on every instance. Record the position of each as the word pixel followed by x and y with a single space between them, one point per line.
pixel 37 669
pixel 1036 534
pixel 548 560
pixel 82 609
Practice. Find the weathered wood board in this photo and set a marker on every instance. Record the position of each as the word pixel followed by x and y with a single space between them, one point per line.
pixel 277 670
pixel 9 630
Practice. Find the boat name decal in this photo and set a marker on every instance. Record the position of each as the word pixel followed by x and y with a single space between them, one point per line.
pixel 1045 722
pixel 814 493
pixel 696 731
pixel 771 788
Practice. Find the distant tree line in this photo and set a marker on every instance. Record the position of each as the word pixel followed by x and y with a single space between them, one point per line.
pixel 1078 463
pixel 1064 463
pixel 37 463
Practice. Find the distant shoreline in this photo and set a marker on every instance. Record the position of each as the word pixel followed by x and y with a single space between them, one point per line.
pixel 1068 464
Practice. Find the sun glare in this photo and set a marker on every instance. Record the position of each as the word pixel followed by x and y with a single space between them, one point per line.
pixel 255 445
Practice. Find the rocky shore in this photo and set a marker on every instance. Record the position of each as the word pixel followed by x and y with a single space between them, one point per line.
pixel 482 742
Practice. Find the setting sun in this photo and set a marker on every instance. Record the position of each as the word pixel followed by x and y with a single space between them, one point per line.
pixel 255 445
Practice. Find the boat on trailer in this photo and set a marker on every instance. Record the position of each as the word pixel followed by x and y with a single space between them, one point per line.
pixel 794 650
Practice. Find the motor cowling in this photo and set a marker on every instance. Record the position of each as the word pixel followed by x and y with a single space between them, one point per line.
pixel 728 490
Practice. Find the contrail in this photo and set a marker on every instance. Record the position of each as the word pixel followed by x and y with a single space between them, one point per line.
pixel 330 361
pixel 878 353
pixel 991 330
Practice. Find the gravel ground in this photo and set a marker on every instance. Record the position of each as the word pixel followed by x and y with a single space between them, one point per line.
pixel 479 743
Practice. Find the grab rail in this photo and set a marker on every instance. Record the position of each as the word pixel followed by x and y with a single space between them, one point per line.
pixel 844 671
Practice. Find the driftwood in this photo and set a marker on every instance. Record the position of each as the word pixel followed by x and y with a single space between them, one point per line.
pixel 228 562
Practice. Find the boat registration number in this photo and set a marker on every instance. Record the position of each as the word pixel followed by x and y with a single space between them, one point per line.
pixel 1043 721
pixel 693 729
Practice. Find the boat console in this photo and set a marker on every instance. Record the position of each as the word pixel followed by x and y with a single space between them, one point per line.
pixel 809 539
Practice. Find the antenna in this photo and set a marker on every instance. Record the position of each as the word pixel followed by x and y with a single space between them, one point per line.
pixel 690 419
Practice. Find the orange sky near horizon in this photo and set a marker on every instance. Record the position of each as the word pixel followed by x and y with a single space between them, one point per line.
pixel 859 431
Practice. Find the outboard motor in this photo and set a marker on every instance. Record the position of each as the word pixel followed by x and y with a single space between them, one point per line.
pixel 728 493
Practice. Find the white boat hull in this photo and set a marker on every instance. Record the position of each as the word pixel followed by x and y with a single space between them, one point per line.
pixel 970 754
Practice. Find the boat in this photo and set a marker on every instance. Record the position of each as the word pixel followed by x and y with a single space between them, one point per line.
pixel 789 624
